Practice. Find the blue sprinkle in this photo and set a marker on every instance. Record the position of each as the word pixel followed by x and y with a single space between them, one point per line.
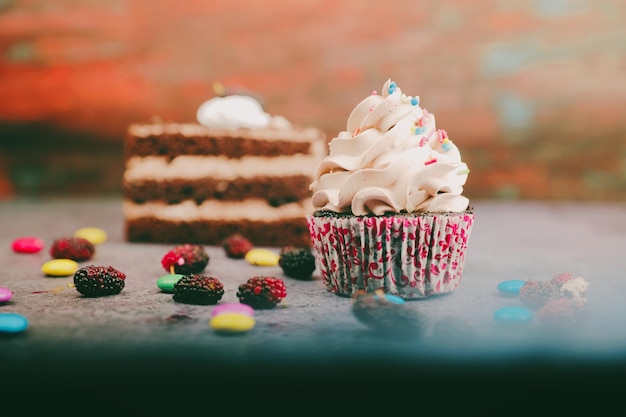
pixel 420 130
pixel 415 101
pixel 446 146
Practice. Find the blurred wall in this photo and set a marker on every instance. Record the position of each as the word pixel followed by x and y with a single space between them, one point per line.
pixel 533 92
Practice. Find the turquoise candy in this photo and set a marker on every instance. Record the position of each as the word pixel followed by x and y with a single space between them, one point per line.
pixel 12 323
pixel 391 298
pixel 511 287
pixel 513 314
pixel 166 282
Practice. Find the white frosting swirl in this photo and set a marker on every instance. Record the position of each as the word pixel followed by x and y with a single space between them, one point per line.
pixel 390 158
pixel 237 111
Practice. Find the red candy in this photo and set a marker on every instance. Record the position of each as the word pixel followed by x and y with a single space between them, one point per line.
pixel 28 244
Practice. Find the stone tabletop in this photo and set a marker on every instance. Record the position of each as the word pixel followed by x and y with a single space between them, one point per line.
pixel 313 331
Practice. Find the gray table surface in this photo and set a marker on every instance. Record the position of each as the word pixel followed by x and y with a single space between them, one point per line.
pixel 314 332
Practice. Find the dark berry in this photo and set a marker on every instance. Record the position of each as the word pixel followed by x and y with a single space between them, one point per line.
pixel 536 293
pixel 297 263
pixel 261 292
pixel 198 289
pixel 185 259
pixel 75 248
pixel 236 246
pixel 97 281
pixel 385 314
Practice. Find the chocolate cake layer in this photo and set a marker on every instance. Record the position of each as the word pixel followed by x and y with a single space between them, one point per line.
pixel 171 140
pixel 275 190
pixel 283 232
pixel 187 183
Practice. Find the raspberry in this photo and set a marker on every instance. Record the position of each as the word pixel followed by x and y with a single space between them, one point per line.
pixel 198 289
pixel 185 259
pixel 75 248
pixel 297 263
pixel 236 246
pixel 563 313
pixel 562 278
pixel 262 292
pixel 536 293
pixel 97 281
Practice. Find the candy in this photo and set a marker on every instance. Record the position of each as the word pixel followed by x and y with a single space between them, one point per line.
pixel 392 298
pixel 5 294
pixel 93 234
pixel 232 323
pixel 12 323
pixel 262 257
pixel 238 308
pixel 511 287
pixel 29 244
pixel 513 315
pixel 166 282
pixel 59 267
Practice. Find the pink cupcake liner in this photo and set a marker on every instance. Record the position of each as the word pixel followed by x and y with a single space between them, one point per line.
pixel 410 256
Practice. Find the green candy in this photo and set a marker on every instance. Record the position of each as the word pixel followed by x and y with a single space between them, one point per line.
pixel 166 282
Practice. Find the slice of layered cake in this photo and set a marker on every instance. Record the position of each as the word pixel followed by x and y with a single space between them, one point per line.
pixel 238 170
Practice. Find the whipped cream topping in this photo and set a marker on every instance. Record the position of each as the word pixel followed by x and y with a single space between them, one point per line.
pixel 391 158
pixel 237 111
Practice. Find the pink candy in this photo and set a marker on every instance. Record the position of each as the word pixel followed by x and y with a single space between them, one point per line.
pixel 5 294
pixel 233 308
pixel 28 244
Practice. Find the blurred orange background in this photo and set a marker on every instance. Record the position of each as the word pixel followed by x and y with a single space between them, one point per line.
pixel 532 92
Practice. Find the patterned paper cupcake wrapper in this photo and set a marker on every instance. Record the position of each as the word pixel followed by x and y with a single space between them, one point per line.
pixel 407 256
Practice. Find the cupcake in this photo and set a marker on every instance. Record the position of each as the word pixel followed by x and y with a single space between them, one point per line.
pixel 389 213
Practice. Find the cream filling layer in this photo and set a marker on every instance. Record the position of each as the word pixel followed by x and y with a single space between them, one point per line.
pixel 251 209
pixel 218 167
pixel 306 134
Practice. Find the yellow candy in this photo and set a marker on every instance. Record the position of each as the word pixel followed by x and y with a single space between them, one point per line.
pixel 93 234
pixel 232 322
pixel 59 267
pixel 262 257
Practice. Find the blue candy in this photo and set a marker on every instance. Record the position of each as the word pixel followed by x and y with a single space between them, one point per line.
pixel 392 298
pixel 12 323
pixel 511 287
pixel 513 314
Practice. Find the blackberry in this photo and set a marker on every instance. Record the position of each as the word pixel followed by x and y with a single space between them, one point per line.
pixel 297 263
pixel 198 289
pixel 75 248
pixel 536 293
pixel 185 259
pixel 388 315
pixel 236 246
pixel 97 281
pixel 262 292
